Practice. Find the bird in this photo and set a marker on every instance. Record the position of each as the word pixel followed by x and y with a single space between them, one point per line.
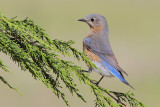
pixel 97 47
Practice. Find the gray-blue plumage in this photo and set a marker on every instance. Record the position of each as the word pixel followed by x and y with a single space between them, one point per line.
pixel 97 46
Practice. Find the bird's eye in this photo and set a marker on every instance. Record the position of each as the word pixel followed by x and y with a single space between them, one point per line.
pixel 92 19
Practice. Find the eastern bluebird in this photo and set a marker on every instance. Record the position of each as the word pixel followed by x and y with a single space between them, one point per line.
pixel 96 46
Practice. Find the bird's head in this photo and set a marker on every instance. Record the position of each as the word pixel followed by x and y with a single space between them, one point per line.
pixel 95 21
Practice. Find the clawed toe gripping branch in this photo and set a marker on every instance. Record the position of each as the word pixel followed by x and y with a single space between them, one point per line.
pixel 31 48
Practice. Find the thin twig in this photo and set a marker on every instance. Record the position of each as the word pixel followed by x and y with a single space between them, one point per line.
pixel 118 101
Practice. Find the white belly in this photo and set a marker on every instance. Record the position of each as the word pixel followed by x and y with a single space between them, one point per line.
pixel 103 70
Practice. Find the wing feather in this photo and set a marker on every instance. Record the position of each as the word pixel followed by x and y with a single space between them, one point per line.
pixel 105 53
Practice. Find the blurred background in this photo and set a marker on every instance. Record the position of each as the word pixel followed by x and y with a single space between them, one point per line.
pixel 134 36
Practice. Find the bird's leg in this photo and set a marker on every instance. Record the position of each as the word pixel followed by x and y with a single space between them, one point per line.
pixel 99 81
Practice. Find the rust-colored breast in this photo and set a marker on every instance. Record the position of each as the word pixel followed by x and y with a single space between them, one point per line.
pixel 92 55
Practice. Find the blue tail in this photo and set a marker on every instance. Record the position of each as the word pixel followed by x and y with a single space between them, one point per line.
pixel 115 72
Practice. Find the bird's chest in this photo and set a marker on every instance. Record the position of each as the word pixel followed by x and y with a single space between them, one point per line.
pixel 91 55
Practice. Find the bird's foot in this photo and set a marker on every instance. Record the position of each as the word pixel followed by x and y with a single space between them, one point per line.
pixel 95 82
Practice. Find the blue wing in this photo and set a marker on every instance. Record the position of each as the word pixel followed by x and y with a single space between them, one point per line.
pixel 106 55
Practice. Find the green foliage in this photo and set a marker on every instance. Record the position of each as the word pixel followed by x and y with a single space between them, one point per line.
pixel 31 48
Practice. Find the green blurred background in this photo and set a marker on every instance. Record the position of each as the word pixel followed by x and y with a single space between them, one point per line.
pixel 134 35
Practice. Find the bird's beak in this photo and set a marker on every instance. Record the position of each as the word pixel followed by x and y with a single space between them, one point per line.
pixel 83 20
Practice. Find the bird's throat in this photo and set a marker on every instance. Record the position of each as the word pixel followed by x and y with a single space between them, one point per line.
pixel 96 29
